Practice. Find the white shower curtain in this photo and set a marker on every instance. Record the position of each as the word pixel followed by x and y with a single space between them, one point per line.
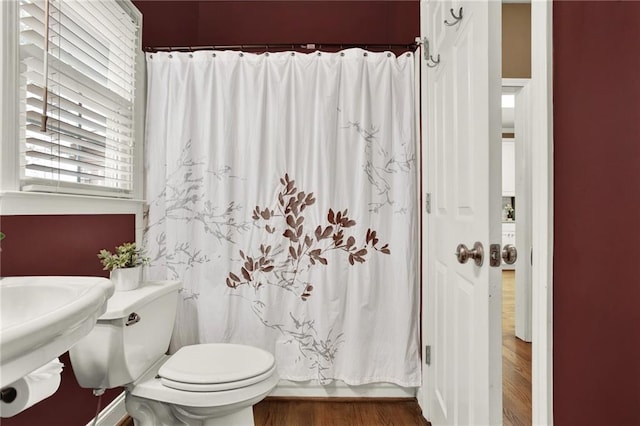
pixel 281 190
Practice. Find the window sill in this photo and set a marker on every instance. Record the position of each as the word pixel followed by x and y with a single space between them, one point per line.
pixel 42 203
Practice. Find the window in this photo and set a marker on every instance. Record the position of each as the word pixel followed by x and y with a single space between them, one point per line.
pixel 78 101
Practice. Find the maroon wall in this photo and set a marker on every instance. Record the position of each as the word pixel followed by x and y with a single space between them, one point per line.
pixel 67 245
pixel 596 309
pixel 597 155
pixel 596 181
pixel 61 245
pixel 205 23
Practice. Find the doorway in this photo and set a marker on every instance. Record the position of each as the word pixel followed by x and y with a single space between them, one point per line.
pixel 516 232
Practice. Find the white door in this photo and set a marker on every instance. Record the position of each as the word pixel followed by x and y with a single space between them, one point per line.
pixel 462 172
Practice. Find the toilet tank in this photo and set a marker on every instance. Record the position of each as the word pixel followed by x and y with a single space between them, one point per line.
pixel 128 338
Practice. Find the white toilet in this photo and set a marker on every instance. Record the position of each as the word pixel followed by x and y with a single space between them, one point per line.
pixel 206 384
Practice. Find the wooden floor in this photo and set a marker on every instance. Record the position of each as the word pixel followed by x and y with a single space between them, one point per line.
pixel 345 412
pixel 516 361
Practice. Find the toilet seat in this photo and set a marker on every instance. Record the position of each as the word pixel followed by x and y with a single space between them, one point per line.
pixel 216 367
pixel 216 387
pixel 149 386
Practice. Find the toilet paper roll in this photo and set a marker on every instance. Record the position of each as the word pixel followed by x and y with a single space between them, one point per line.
pixel 33 388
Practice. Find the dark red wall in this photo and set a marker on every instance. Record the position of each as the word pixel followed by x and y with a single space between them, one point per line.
pixel 67 245
pixel 204 23
pixel 61 245
pixel 596 177
pixel 596 309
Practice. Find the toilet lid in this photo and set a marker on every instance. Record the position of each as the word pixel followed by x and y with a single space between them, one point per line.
pixel 216 366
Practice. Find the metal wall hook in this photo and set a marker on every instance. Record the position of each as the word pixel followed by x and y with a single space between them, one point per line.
pixel 435 62
pixel 427 53
pixel 457 18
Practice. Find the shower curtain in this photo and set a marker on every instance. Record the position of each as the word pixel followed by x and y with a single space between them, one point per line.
pixel 281 191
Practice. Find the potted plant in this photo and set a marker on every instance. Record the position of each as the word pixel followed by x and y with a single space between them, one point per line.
pixel 125 265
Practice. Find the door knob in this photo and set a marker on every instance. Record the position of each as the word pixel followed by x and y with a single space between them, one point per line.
pixel 477 253
pixel 509 254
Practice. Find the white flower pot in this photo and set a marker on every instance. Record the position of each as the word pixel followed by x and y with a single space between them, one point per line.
pixel 126 279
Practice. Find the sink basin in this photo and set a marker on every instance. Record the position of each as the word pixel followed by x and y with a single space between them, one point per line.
pixel 42 317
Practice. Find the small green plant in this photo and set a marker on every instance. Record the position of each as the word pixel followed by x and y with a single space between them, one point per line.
pixel 2 235
pixel 126 256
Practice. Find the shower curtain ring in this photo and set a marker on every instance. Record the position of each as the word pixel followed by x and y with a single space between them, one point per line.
pixel 457 18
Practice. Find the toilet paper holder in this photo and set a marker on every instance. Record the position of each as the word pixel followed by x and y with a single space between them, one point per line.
pixel 8 395
pixel 30 389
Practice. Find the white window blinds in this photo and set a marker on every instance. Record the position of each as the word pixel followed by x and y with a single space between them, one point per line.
pixel 88 75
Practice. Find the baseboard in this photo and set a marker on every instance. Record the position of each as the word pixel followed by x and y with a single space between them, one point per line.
pixel 339 389
pixel 112 414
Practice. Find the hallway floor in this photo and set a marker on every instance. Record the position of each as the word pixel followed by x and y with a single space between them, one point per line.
pixel 516 361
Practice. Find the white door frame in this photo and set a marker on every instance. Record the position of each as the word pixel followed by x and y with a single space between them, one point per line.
pixel 542 211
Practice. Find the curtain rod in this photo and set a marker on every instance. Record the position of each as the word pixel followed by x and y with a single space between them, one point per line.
pixel 308 46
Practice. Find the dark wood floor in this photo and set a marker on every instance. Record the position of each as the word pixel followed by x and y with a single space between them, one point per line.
pixel 339 412
pixel 516 361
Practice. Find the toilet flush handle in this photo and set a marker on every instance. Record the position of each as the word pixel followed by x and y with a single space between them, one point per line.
pixel 133 318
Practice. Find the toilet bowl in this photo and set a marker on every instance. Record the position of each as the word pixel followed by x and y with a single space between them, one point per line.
pixel 203 384
pixel 206 384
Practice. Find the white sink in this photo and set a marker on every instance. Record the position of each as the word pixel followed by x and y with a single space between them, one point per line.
pixel 42 317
